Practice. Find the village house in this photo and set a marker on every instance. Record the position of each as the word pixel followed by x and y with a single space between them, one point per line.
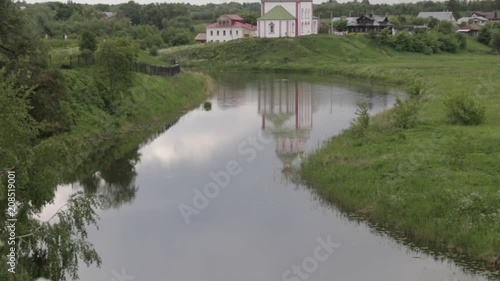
pixel 471 30
pixel 472 20
pixel 446 16
pixel 286 18
pixel 491 16
pixel 365 23
pixel 201 38
pixel 229 27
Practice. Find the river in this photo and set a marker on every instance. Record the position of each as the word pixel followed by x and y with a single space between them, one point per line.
pixel 213 197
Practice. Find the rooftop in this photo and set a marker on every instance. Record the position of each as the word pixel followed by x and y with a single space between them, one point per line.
pixel 277 13
pixel 437 15
pixel 234 24
pixel 201 37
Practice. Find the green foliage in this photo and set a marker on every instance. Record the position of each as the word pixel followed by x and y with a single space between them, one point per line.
pixel 18 127
pixel 422 42
pixel 360 124
pixel 340 25
pixel 88 42
pixel 250 18
pixel 445 27
pixel 464 109
pixel 372 34
pixel 403 42
pixel 54 250
pixel 207 106
pixel 395 20
pixel 49 101
pixel 153 51
pixel 116 58
pixel 495 40
pixel 418 21
pixel 448 43
pixel 404 115
pixel 177 37
pixel 152 41
pixel 416 89
pixel 433 23
pixel 462 40
pixel 454 6
pixel 487 34
pixel 181 38
pixel 484 35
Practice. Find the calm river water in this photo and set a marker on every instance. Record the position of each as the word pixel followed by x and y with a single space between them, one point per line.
pixel 213 198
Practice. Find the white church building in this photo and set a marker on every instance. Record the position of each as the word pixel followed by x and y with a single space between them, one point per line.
pixel 286 18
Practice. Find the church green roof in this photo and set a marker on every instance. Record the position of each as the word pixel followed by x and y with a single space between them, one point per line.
pixel 277 13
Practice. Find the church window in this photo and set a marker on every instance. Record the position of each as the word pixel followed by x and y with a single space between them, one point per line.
pixel 271 28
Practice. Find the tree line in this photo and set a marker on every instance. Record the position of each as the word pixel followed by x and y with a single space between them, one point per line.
pixel 357 8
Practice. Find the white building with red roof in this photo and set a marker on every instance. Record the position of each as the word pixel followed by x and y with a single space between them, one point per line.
pixel 229 27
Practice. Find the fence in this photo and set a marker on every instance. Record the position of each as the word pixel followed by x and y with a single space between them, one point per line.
pixel 157 69
pixel 149 69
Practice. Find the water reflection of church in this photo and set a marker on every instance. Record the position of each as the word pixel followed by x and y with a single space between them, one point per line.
pixel 287 110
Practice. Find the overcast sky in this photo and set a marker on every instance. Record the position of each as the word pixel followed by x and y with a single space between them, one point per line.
pixel 201 2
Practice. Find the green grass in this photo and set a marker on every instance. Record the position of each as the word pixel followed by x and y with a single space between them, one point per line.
pixel 438 184
pixel 152 98
pixel 148 59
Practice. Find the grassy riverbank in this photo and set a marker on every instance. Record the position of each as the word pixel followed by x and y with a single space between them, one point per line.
pixel 436 183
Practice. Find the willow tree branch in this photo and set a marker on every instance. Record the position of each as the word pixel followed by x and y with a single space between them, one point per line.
pixel 38 228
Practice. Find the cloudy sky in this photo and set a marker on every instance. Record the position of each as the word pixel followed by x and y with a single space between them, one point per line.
pixel 201 2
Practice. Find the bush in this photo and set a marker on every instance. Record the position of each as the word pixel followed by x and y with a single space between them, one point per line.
pixel 464 109
pixel 403 42
pixel 153 51
pixel 462 40
pixel 416 89
pixel 362 121
pixel 448 43
pixel 484 35
pixel 495 40
pixel 405 114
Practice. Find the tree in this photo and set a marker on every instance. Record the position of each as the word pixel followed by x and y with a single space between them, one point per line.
pixel 454 6
pixel 131 10
pixel 445 27
pixel 484 35
pixel 340 25
pixel 433 22
pixel 418 21
pixel 116 58
pixel 182 38
pixel 250 18
pixel 495 40
pixel 88 42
